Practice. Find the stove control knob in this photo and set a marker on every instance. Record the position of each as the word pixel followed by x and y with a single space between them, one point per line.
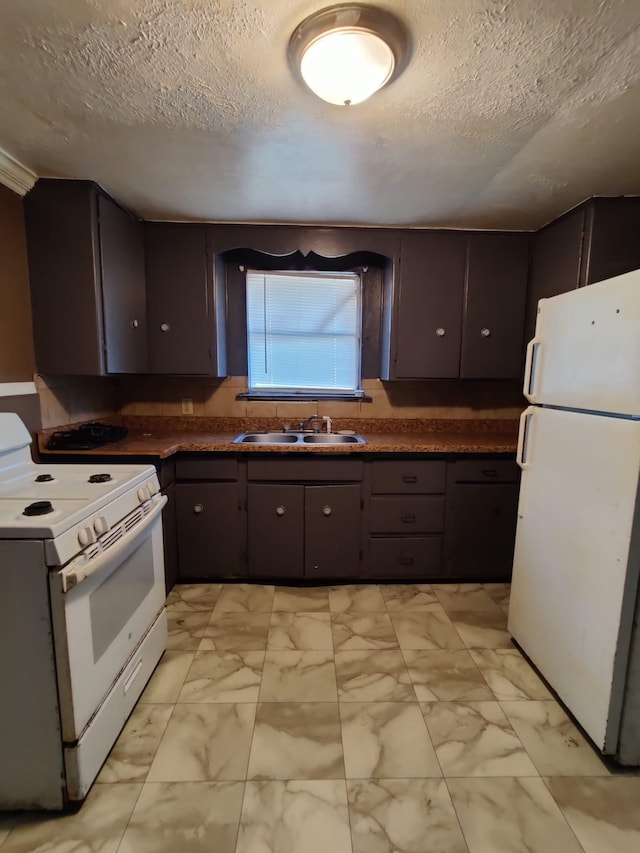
pixel 100 525
pixel 86 537
pixel 143 494
pixel 153 487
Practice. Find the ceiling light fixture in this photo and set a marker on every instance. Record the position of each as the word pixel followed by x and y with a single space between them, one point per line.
pixel 345 53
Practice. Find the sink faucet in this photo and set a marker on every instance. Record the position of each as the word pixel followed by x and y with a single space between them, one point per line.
pixel 307 421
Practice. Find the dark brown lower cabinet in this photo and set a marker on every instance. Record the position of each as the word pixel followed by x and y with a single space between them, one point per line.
pixel 275 530
pixel 298 531
pixel 484 528
pixel 209 542
pixel 404 557
pixel 331 531
pixel 170 537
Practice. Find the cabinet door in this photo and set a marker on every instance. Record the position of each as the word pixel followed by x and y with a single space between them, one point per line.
pixel 496 291
pixel 556 262
pixel 275 530
pixel 208 519
pixel 180 300
pixel 123 289
pixel 332 531
pixel 62 245
pixel 484 529
pixel 613 241
pixel 170 537
pixel 427 318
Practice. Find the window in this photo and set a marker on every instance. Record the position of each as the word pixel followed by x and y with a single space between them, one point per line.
pixel 303 331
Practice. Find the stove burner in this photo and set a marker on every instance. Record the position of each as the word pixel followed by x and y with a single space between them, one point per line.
pixel 38 508
pixel 100 478
pixel 44 478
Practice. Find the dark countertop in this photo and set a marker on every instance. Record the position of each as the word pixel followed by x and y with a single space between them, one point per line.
pixel 163 438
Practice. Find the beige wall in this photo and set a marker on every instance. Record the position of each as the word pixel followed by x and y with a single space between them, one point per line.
pixel 16 336
pixel 419 400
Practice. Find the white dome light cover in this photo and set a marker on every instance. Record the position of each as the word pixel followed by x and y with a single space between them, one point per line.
pixel 346 53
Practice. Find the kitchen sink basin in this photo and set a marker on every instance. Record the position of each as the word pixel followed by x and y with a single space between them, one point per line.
pixel 266 438
pixel 299 438
pixel 332 438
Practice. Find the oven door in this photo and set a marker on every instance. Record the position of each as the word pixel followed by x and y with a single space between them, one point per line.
pixel 102 607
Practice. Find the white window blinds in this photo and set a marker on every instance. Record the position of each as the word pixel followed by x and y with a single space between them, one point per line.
pixel 303 331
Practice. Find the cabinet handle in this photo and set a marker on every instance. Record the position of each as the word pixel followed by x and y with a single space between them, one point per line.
pixel 198 508
pixel 409 478
pixel 280 510
pixel 490 472
pixel 440 332
pixel 405 561
pixel 408 518
pixel 164 327
pixel 485 332
pixel 135 324
pixel 326 510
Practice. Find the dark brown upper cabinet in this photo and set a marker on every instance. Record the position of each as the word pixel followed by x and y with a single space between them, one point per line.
pixel 458 306
pixel 185 302
pixel 495 298
pixel 426 309
pixel 86 270
pixel 612 238
pixel 555 263
pixel 596 241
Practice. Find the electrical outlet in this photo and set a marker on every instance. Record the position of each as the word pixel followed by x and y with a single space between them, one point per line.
pixel 187 406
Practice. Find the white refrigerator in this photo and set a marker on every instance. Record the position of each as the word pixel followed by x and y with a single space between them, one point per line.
pixel 574 599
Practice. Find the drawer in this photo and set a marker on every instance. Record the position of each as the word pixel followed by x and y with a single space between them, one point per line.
pixel 408 515
pixel 411 476
pixel 408 557
pixel 206 469
pixel 486 471
pixel 305 470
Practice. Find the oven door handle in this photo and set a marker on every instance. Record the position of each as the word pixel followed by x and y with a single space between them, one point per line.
pixel 81 569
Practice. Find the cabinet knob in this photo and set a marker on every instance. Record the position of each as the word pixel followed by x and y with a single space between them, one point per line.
pixel 198 508
pixel 440 332
pixel 280 510
pixel 326 510
pixel 164 327
pixel 485 332
pixel 135 324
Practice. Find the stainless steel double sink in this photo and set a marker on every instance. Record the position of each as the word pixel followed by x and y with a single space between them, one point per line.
pixel 299 438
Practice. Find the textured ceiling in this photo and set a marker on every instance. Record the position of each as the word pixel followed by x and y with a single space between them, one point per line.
pixel 507 114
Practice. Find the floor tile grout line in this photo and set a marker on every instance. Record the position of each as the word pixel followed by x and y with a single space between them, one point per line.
pixel 455 811
pixel 120 840
pixel 564 817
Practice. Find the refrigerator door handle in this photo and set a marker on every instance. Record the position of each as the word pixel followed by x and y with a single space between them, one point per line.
pixel 530 369
pixel 524 434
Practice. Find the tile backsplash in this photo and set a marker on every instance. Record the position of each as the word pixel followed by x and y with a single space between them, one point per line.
pixel 405 400
pixel 71 399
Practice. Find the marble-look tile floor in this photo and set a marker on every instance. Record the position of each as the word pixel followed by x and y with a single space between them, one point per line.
pixel 350 719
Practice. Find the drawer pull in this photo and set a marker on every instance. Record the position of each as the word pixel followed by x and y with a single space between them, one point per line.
pixel 490 472
pixel 198 508
pixel 409 478
pixel 280 510
pixel 406 561
pixel 326 510
pixel 408 518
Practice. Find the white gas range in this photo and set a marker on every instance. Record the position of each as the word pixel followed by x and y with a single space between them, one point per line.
pixel 82 618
